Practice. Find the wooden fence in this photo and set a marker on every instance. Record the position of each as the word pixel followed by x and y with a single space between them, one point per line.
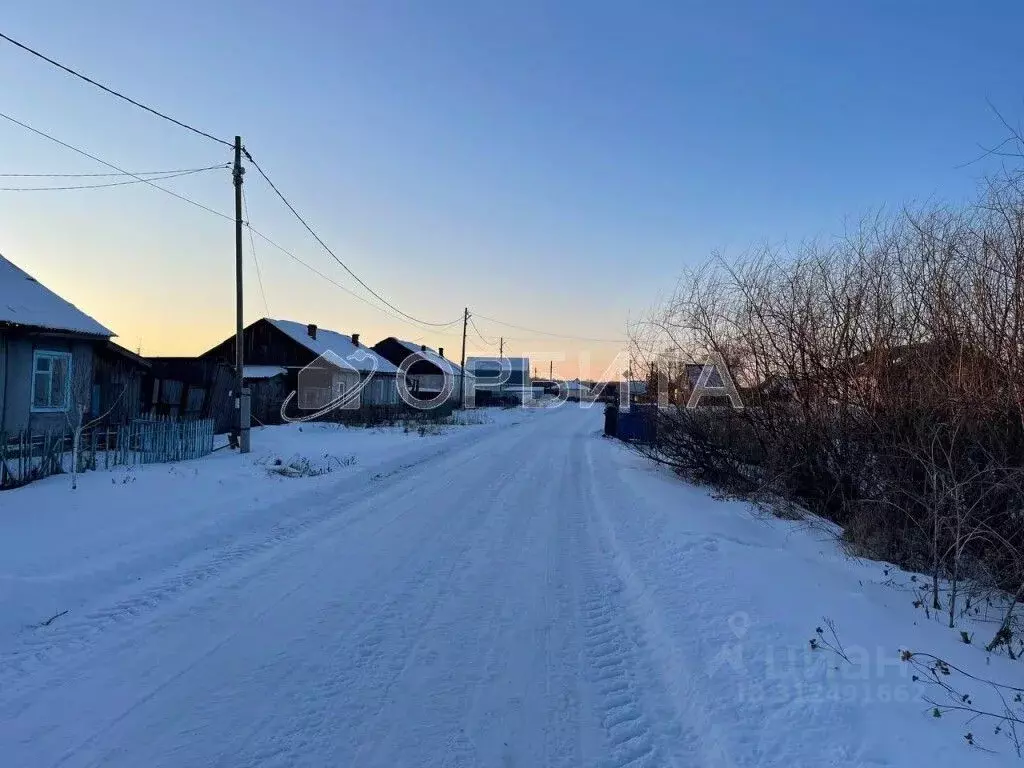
pixel 27 456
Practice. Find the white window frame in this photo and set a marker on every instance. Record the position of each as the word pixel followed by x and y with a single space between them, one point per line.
pixel 51 355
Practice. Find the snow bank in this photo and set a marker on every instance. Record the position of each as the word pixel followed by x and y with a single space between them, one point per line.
pixel 731 602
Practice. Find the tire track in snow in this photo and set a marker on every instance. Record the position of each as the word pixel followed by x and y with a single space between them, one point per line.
pixel 465 625
pixel 688 725
pixel 144 696
pixel 612 666
pixel 430 543
pixel 67 639
pixel 384 640
pixel 621 687
pixel 338 700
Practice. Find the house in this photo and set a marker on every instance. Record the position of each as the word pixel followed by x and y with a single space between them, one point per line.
pixel 501 378
pixel 293 346
pixel 426 370
pixel 56 362
pixel 574 390
pixel 774 388
pixel 189 387
pixel 671 381
pixel 607 391
pixel 268 387
pixel 118 376
pixel 545 386
pixel 941 373
pixel 637 390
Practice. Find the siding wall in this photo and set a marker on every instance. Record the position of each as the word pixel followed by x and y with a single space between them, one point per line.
pixel 434 383
pixel 17 352
pixel 382 390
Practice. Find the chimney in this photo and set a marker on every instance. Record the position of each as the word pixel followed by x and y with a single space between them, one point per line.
pixel 355 339
pixel 311 330
pixel 440 351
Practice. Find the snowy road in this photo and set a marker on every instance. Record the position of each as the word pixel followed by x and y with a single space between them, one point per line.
pixel 532 597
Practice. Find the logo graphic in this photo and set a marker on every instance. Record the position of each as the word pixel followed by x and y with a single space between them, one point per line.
pixel 715 380
pixel 330 383
pixel 445 382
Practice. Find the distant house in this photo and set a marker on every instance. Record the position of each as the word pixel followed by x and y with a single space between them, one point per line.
pixel 501 378
pixel 607 391
pixel 773 388
pixel 925 372
pixel 426 370
pixel 56 362
pixel 673 383
pixel 293 346
pixel 574 390
pixel 637 388
pixel 546 386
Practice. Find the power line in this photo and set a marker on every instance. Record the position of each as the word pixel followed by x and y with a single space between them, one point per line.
pixel 111 173
pixel 548 333
pixel 482 338
pixel 112 92
pixel 255 259
pixel 332 253
pixel 139 178
pixel 116 168
pixel 253 230
pixel 112 183
pixel 344 288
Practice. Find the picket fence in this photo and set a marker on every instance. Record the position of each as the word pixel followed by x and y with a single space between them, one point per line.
pixel 27 456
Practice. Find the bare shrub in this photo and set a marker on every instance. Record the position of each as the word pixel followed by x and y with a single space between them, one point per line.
pixel 882 374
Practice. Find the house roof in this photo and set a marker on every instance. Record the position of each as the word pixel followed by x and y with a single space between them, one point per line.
pixel 262 371
pixel 515 363
pixel 361 357
pixel 26 301
pixel 111 348
pixel 432 356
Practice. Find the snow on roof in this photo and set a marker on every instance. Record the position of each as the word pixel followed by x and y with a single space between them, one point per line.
pixel 262 371
pixel 360 357
pixel 26 301
pixel 433 357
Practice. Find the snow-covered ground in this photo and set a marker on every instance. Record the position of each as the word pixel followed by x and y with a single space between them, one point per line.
pixel 60 549
pixel 521 593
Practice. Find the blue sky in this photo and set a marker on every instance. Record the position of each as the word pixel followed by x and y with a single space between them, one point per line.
pixel 552 164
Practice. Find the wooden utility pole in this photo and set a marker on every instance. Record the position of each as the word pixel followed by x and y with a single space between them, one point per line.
pixel 551 370
pixel 501 346
pixel 241 400
pixel 462 371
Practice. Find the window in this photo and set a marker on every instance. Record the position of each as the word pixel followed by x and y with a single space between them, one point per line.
pixel 51 381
